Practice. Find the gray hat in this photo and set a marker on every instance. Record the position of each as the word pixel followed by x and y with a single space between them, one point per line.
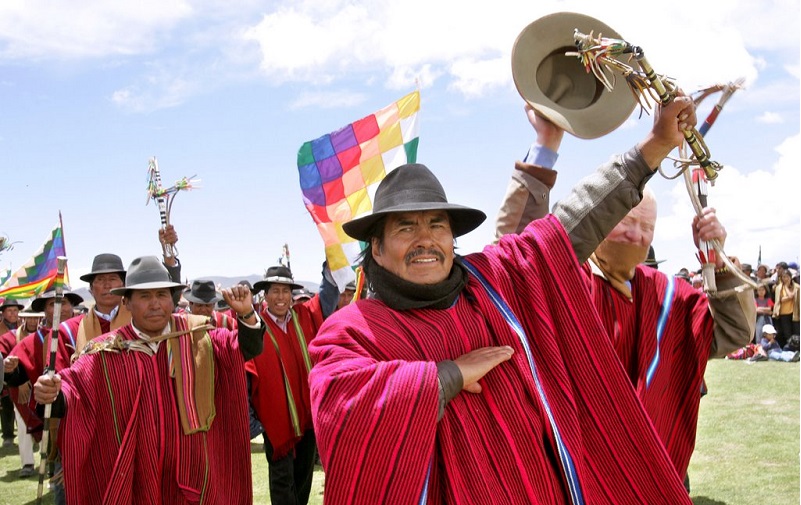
pixel 39 303
pixel 147 272
pixel 202 291
pixel 10 303
pixel 413 188
pixel 105 263
pixel 276 275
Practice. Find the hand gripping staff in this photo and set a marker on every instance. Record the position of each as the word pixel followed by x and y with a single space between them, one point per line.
pixel 597 55
pixel 50 370
pixel 165 197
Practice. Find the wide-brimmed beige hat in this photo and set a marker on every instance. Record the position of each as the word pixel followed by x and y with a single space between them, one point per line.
pixel 558 87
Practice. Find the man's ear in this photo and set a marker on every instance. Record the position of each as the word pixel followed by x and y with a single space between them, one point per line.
pixel 375 247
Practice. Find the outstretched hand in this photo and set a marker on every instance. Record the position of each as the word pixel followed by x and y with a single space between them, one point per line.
pixel 476 364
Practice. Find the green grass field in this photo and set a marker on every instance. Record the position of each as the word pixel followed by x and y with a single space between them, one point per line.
pixel 747 450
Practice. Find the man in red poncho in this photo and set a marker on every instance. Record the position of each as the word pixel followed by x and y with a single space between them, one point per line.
pixel 663 329
pixel 28 423
pixel 280 386
pixel 484 379
pixel 156 411
pixel 9 319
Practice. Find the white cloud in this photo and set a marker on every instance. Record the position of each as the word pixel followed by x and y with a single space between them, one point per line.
pixel 770 118
pixel 42 30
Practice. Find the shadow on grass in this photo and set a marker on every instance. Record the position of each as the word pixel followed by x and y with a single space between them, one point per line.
pixel 703 500
pixel 256 448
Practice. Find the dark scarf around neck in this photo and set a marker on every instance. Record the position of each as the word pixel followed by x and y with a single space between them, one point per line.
pixel 400 294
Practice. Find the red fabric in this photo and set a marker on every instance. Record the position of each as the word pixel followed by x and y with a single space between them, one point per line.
pixel 224 320
pixel 268 393
pixel 7 342
pixel 673 398
pixel 33 423
pixel 375 396
pixel 152 461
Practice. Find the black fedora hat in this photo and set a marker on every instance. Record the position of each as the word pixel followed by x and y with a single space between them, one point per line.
pixel 651 260
pixel 147 272
pixel 38 304
pixel 276 275
pixel 202 291
pixel 105 263
pixel 413 188
pixel 10 303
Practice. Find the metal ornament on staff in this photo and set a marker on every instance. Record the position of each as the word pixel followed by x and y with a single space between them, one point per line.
pixel 599 54
pixel 164 198
pixel 50 369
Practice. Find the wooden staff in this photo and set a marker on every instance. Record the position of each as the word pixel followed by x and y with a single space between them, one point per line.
pixel 50 370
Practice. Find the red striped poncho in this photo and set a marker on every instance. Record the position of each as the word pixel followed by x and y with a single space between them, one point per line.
pixel 33 423
pixel 121 439
pixel 375 396
pixel 672 395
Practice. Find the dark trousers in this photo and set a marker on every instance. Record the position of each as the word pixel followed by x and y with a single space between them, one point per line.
pixel 291 476
pixel 7 417
pixel 785 327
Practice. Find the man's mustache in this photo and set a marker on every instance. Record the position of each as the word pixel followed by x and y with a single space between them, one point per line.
pixel 422 251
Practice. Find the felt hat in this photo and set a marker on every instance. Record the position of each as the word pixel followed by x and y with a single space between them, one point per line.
pixel 10 303
pixel 276 275
pixel 105 263
pixel 558 87
pixel 651 260
pixel 301 293
pixel 147 272
pixel 413 188
pixel 202 291
pixel 38 304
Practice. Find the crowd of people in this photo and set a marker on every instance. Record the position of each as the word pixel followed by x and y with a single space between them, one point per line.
pixel 483 378
pixel 776 329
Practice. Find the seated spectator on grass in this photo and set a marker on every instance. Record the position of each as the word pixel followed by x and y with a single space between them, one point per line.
pixel 769 348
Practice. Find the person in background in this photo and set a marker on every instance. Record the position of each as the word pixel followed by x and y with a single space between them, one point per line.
pixel 764 310
pixel 769 348
pixel 9 318
pixel 786 307
pixel 28 423
pixel 639 306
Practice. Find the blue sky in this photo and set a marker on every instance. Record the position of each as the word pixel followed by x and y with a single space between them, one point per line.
pixel 90 90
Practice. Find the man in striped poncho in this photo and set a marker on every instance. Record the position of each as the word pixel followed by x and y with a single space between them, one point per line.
pixel 483 379
pixel 156 411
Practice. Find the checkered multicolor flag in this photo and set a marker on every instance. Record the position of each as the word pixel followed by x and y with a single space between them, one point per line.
pixel 340 171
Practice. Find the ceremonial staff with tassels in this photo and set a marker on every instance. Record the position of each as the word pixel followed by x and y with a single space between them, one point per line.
pixel 598 52
pixel 50 370
pixel 164 198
